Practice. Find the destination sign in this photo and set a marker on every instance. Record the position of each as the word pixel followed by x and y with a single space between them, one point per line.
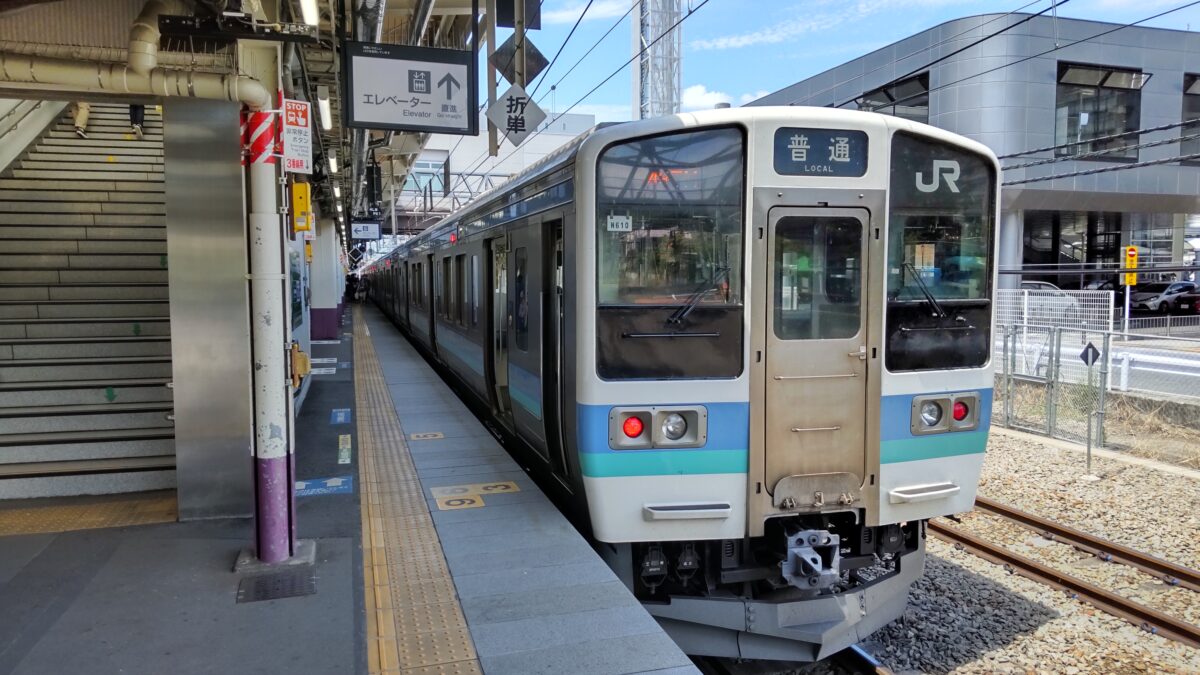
pixel 820 152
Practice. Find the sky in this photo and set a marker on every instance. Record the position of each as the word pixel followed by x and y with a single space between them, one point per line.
pixel 738 50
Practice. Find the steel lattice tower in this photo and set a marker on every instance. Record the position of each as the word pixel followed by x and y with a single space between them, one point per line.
pixel 658 72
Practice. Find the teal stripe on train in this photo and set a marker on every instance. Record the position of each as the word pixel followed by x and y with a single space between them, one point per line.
pixel 933 447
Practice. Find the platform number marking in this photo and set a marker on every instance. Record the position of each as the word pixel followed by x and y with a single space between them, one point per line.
pixel 471 495
pixel 467 502
pixel 426 436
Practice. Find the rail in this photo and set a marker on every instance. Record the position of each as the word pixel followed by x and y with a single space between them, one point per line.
pixel 1136 613
pixel 1168 572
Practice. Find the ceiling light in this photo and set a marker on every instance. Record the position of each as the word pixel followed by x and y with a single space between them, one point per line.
pixel 337 191
pixel 339 207
pixel 308 10
pixel 333 163
pixel 323 106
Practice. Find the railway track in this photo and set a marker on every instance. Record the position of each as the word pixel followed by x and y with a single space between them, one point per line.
pixel 1136 613
pixel 853 660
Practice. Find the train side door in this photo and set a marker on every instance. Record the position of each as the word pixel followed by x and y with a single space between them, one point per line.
pixel 552 383
pixel 498 325
pixel 816 368
pixel 526 298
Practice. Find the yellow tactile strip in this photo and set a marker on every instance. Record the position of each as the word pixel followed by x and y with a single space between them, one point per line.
pixel 64 514
pixel 414 622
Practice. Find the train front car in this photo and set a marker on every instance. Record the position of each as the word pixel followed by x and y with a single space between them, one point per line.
pixel 782 336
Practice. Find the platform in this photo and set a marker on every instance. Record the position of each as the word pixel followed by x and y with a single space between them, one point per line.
pixel 536 598
pixel 435 553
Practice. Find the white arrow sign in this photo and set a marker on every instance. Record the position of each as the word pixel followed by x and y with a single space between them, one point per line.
pixel 516 115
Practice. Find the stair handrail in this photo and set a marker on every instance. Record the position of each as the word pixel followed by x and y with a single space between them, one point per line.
pixel 10 113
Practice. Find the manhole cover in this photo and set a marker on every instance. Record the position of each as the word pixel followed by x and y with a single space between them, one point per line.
pixel 276 585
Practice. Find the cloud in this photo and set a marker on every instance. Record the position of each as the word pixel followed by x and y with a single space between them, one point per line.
pixel 783 31
pixel 601 9
pixel 699 97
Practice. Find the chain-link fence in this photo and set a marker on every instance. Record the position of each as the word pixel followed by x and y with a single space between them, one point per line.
pixel 1090 310
pixel 1140 392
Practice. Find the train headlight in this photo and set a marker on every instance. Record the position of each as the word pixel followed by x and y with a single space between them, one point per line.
pixel 674 426
pixel 931 413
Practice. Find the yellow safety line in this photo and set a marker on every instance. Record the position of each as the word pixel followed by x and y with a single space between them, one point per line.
pixel 415 624
pixel 64 514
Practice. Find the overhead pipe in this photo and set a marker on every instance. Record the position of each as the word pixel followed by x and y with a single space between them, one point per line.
pixel 114 55
pixel 144 36
pixel 368 27
pixel 121 79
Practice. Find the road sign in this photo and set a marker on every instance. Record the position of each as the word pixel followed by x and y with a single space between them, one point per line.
pixel 515 115
pixel 297 137
pixel 504 60
pixel 406 88
pixel 364 230
pixel 1090 355
pixel 1131 257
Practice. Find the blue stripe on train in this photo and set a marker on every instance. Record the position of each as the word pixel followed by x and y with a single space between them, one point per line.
pixel 899 444
pixel 726 450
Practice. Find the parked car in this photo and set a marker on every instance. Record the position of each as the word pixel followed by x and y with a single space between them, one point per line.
pixel 1189 303
pixel 1162 297
pixel 1050 305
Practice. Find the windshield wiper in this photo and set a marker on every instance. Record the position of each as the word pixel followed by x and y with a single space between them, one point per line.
pixel 937 307
pixel 697 295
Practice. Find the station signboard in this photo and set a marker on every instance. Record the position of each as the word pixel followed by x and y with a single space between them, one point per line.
pixel 364 230
pixel 403 88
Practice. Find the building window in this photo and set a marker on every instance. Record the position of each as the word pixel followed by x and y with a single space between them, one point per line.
pixel 907 99
pixel 1191 111
pixel 1094 102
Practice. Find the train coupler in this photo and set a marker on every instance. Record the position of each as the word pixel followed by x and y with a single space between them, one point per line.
pixel 813 560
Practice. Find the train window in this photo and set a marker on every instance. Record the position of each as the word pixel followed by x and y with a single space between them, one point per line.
pixel 521 320
pixel 474 290
pixel 939 273
pixel 460 289
pixel 669 242
pixel 444 289
pixel 818 278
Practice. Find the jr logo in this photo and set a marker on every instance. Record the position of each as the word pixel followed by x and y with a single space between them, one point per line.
pixel 946 169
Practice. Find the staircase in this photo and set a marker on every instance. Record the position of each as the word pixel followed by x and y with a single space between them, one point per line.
pixel 85 346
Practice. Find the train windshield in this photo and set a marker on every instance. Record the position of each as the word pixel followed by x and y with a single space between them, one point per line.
pixel 669 251
pixel 940 224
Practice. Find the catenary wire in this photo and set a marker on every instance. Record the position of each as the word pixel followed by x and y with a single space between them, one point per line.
pixel 1101 153
pixel 1041 54
pixel 554 60
pixel 1054 4
pixel 923 49
pixel 1089 172
pixel 593 90
pixel 479 161
pixel 1099 139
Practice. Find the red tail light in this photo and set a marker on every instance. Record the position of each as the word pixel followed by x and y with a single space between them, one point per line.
pixel 632 427
pixel 960 411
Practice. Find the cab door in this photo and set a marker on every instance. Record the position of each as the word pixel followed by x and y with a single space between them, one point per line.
pixel 816 369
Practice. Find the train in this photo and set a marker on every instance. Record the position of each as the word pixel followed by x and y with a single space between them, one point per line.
pixel 748 349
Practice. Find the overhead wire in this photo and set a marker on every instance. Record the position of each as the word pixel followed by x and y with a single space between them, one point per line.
pixel 922 49
pixel 593 90
pixel 1101 153
pixel 1054 4
pixel 554 60
pixel 1099 139
pixel 479 161
pixel 1041 54
pixel 1121 167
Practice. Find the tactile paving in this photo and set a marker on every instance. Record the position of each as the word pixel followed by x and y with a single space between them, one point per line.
pixel 63 514
pixel 415 624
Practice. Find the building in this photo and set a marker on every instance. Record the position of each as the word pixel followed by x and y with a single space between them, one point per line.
pixel 1015 92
